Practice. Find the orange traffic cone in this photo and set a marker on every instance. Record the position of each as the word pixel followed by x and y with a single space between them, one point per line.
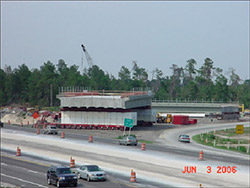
pixel 72 162
pixel 62 135
pixel 143 146
pixel 201 155
pixel 90 138
pixel 18 151
pixel 132 176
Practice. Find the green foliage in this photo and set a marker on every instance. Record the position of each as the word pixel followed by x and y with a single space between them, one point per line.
pixel 145 141
pixel 221 88
pixel 24 86
pixel 242 149
pixel 124 78
pixel 210 138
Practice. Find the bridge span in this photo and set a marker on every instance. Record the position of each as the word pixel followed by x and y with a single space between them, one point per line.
pixel 185 106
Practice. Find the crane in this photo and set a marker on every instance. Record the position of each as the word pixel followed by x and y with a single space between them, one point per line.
pixel 89 59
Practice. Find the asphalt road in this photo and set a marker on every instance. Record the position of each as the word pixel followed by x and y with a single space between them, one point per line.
pixel 185 154
pixel 27 172
pixel 176 148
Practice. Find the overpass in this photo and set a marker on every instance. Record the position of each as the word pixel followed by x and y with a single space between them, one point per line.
pixel 186 106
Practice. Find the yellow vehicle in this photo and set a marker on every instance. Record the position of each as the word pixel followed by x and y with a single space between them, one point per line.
pixel 164 118
pixel 242 108
pixel 169 118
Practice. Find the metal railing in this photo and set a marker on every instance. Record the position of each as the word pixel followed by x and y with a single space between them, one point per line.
pixel 81 91
pixel 192 101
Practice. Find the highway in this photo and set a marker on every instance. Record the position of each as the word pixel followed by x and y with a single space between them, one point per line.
pixel 159 163
pixel 170 146
pixel 171 135
pixel 30 172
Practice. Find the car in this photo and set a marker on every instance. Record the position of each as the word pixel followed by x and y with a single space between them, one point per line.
pixel 61 175
pixel 50 129
pixel 128 140
pixel 184 138
pixel 1 124
pixel 91 172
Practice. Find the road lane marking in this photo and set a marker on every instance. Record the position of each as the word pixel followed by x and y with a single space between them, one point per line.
pixel 25 160
pixel 33 171
pixel 22 168
pixel 126 184
pixel 22 180
pixel 48 165
pixel 4 164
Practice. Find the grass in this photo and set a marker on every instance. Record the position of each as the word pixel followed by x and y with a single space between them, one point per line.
pixel 231 132
pixel 145 141
pixel 208 140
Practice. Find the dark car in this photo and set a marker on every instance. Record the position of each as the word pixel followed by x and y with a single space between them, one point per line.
pixel 184 138
pixel 61 175
pixel 128 140
pixel 1 124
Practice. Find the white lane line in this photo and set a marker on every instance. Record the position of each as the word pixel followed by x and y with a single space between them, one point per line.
pixel 22 180
pixel 4 164
pixel 33 171
pixel 22 168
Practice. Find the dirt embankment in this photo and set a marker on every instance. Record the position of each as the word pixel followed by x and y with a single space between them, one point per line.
pixel 19 116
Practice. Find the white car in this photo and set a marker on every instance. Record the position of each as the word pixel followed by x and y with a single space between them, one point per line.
pixel 184 138
pixel 91 172
pixel 50 129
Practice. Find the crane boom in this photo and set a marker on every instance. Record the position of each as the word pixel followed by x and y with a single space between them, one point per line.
pixel 89 59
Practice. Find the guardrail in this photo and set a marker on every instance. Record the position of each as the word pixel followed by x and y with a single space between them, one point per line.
pixel 192 101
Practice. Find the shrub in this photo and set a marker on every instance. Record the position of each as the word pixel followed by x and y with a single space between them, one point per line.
pixel 242 149
pixel 211 136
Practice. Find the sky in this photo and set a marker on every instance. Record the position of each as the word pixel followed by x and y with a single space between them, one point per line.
pixel 116 33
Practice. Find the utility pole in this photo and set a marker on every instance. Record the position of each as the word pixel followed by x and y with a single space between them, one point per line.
pixel 51 95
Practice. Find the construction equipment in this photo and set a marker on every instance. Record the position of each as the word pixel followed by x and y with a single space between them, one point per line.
pixel 89 59
pixel 242 108
pixel 169 118
pixel 164 118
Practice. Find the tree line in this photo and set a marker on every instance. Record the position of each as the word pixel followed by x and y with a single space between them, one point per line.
pixel 32 86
